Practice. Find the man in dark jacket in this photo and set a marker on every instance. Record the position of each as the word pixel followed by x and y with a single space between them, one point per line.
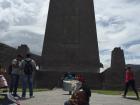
pixel 28 66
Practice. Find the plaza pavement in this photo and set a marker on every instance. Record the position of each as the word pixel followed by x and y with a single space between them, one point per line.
pixel 58 96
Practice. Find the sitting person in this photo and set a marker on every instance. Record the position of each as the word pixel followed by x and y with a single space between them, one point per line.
pixel 81 78
pixel 69 76
pixel 80 96
pixel 4 85
pixel 3 82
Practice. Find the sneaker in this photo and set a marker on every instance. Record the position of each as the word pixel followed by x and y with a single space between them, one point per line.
pixel 123 96
pixel 32 96
pixel 16 95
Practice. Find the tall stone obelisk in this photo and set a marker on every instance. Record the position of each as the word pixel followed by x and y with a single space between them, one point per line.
pixel 70 41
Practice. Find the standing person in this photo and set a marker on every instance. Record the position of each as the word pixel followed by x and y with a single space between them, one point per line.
pixel 28 65
pixel 15 75
pixel 130 81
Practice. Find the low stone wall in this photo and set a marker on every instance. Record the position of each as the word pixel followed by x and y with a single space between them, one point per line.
pixel 51 79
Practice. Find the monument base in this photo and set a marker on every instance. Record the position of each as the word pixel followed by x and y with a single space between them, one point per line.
pixel 52 79
pixel 73 68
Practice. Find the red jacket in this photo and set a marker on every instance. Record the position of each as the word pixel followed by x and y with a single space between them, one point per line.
pixel 80 78
pixel 129 75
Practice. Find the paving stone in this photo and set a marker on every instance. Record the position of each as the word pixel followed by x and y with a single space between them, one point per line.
pixel 58 97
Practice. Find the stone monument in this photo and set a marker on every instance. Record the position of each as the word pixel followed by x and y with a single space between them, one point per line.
pixel 118 60
pixel 23 50
pixel 114 76
pixel 70 42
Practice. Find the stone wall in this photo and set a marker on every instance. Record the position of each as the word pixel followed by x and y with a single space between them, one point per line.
pixel 7 54
pixel 114 76
pixel 70 37
pixel 51 79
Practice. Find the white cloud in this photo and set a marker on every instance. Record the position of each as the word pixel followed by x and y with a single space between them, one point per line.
pixel 16 38
pixel 23 22
pixel 5 4
pixel 118 25
pixel 135 49
pixel 4 26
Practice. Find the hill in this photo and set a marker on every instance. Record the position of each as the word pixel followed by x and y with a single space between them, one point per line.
pixel 134 67
pixel 7 53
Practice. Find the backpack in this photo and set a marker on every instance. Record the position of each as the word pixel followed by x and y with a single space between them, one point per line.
pixel 28 67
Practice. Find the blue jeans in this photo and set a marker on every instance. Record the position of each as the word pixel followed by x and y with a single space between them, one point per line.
pixel 27 79
pixel 14 84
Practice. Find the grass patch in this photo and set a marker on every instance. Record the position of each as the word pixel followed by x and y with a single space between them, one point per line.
pixel 2 97
pixel 113 92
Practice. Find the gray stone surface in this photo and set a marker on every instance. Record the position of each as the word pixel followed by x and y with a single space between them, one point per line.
pixel 114 76
pixel 58 96
pixel 51 79
pixel 70 38
pixel 23 50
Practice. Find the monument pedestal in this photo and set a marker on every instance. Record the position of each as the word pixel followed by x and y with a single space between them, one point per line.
pixel 52 79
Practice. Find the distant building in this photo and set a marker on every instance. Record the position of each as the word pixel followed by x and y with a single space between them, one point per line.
pixel 114 76
pixel 23 50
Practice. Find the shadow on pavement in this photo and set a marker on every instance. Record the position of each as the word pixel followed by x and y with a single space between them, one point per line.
pixel 131 98
pixel 65 94
pixel 5 100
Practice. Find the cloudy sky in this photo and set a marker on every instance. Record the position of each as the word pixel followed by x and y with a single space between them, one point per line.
pixel 118 25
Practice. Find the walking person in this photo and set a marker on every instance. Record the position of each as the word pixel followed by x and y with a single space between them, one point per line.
pixel 15 75
pixel 130 81
pixel 28 66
